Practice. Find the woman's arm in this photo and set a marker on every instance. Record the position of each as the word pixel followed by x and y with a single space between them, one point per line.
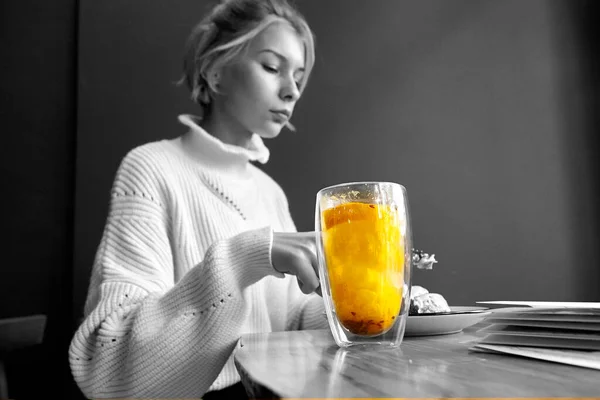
pixel 144 335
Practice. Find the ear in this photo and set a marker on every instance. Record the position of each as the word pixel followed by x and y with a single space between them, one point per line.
pixel 214 80
pixel 210 87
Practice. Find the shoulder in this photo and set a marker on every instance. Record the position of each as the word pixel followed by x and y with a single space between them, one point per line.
pixel 149 154
pixel 146 167
pixel 151 158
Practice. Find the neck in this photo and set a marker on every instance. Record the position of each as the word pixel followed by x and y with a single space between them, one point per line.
pixel 210 150
pixel 226 129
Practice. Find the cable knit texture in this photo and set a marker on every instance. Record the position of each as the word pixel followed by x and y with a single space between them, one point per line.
pixel 183 269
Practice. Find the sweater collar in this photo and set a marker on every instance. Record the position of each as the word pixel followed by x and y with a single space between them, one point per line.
pixel 208 149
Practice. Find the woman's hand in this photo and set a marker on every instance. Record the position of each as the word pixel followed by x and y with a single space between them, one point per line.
pixel 296 254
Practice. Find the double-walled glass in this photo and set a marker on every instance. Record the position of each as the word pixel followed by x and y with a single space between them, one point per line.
pixel 364 244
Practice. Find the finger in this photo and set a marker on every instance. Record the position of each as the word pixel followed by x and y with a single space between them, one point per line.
pixel 310 247
pixel 312 256
pixel 310 239
pixel 307 288
pixel 307 278
pixel 318 291
pixel 314 262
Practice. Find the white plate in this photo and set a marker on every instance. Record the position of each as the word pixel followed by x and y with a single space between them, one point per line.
pixel 444 323
pixel 548 304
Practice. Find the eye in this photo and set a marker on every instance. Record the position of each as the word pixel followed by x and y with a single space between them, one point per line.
pixel 299 78
pixel 271 69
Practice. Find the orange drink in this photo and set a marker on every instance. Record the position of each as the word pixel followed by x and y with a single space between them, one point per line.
pixel 363 233
pixel 365 259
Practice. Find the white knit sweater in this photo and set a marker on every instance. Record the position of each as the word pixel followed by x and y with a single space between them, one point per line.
pixel 183 269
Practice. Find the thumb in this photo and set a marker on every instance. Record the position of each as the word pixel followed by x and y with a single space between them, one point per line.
pixel 318 291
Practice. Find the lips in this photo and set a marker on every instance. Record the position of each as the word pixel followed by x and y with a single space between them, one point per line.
pixel 282 113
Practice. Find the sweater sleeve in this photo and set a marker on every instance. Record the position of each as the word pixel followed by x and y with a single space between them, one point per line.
pixel 145 336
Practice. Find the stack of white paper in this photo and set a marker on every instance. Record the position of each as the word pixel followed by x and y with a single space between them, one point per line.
pixel 561 332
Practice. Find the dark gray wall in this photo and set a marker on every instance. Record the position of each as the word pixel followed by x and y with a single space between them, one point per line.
pixel 476 106
pixel 37 113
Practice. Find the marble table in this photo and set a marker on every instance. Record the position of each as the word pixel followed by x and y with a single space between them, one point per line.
pixel 309 364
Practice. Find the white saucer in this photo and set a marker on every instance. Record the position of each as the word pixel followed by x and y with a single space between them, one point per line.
pixel 445 323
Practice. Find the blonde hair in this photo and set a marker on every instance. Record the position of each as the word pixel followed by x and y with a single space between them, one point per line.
pixel 226 31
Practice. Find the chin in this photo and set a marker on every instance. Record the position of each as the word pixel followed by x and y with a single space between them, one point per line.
pixel 269 132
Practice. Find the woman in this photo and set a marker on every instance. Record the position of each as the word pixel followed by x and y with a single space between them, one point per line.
pixel 199 246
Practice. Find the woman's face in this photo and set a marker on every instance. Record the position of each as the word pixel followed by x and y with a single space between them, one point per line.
pixel 258 92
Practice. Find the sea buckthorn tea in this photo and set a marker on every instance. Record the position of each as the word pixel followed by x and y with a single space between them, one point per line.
pixel 364 244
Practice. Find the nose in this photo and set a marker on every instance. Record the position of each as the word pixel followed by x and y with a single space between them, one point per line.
pixel 289 90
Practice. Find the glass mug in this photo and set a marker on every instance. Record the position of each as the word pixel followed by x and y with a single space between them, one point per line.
pixel 364 243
